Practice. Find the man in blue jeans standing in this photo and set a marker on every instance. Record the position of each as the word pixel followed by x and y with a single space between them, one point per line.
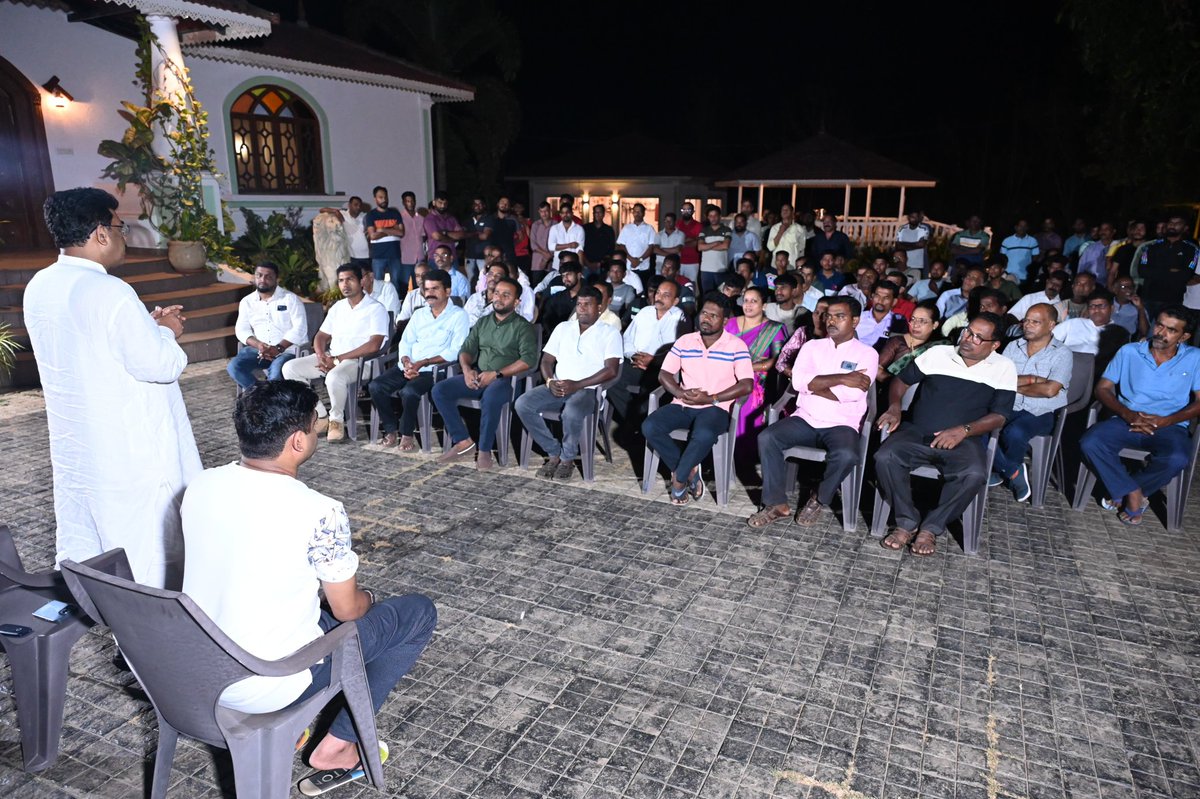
pixel 384 227
pixel 715 370
pixel 1153 390
pixel 501 345
pixel 261 544
pixel 271 323
pixel 1044 367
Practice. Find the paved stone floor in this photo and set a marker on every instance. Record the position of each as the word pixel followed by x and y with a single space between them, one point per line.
pixel 594 642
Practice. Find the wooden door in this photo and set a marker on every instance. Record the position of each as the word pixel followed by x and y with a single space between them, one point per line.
pixel 25 177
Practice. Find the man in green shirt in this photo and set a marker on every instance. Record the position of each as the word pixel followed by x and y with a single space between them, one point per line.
pixel 972 242
pixel 499 346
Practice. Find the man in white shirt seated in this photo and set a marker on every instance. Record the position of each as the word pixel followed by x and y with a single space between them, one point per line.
pixel 382 292
pixel 271 323
pixel 433 336
pixel 1050 295
pixel 1094 333
pixel 354 328
pixel 607 317
pixel 645 343
pixel 579 354
pixel 416 298
pixel 261 545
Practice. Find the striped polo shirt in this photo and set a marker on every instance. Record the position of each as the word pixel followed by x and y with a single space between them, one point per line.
pixel 953 393
pixel 714 368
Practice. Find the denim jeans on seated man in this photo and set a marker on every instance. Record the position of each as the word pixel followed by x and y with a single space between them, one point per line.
pixel 706 424
pixel 393 386
pixel 446 395
pixel 574 409
pixel 243 365
pixel 1015 436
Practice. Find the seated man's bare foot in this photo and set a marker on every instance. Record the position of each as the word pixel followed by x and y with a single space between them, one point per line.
pixel 924 544
pixel 333 752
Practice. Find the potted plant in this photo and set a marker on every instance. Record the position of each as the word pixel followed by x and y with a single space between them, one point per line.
pixel 169 178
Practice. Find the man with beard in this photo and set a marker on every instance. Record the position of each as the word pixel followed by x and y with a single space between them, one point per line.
pixel 786 234
pixel 1168 267
pixel 830 239
pixel 689 255
pixel 670 242
pixel 384 227
pixel 559 305
pixel 716 370
pixel 968 392
pixel 1050 295
pixel 744 244
pixel 638 239
pixel 875 325
pixel 433 336
pixel 1081 288
pixel 441 228
pixel 271 324
pixel 1152 388
pixel 646 341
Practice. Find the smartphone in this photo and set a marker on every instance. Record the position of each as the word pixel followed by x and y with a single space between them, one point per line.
pixel 15 630
pixel 54 611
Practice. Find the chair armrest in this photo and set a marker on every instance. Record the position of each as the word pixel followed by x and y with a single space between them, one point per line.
pixel 656 397
pixel 305 656
pixel 779 407
pixel 12 570
pixel 1093 413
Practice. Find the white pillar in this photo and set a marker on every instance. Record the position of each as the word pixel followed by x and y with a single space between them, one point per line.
pixel 901 214
pixel 739 205
pixel 846 204
pixel 760 200
pixel 869 187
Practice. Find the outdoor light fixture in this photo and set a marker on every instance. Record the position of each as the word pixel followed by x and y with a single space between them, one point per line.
pixel 586 202
pixel 616 199
pixel 61 97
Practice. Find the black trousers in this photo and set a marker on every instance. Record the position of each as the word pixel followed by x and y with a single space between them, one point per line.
pixel 963 473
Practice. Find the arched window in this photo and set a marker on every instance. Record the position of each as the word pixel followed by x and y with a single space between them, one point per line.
pixel 276 143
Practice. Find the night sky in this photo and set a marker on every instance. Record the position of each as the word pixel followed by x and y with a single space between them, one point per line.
pixel 987 97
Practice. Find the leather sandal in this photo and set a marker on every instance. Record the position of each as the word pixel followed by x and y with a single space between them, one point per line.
pixel 767 516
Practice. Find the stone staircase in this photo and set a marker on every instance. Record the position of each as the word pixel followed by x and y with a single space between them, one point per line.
pixel 210 306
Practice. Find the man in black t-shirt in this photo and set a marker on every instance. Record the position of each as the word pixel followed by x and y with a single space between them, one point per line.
pixel 1167 267
pixel 383 227
pixel 480 228
pixel 599 240
pixel 504 231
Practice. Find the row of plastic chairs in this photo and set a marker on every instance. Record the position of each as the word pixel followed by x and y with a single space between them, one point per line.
pixel 182 660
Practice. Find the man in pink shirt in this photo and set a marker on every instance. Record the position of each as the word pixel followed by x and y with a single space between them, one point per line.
pixel 412 243
pixel 831 378
pixel 539 235
pixel 716 370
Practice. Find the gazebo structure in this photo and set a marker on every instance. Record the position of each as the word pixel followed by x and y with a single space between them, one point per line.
pixel 826 162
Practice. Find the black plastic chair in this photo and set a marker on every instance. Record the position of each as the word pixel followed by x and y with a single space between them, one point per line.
pixel 1046 458
pixel 184 662
pixel 38 660
pixel 852 483
pixel 722 453
pixel 973 516
pixel 1176 492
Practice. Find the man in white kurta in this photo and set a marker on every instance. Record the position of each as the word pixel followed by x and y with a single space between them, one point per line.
pixel 121 445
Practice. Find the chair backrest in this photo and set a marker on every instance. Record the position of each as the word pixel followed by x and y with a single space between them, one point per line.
pixel 178 654
pixel 314 315
pixel 909 396
pixel 1083 368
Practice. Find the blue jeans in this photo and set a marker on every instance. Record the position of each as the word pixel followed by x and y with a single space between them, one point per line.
pixel 386 266
pixel 706 425
pixel 1015 437
pixel 241 367
pixel 391 384
pixel 446 395
pixel 392 634
pixel 1168 447
pixel 574 409
pixel 402 277
pixel 711 281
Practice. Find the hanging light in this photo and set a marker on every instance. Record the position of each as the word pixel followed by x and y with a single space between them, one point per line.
pixel 59 97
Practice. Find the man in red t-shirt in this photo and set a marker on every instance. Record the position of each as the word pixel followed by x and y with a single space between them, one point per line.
pixel 689 256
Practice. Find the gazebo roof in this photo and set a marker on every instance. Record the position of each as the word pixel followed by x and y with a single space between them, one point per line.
pixel 629 156
pixel 824 161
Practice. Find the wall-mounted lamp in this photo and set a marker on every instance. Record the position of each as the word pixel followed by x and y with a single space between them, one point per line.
pixel 60 97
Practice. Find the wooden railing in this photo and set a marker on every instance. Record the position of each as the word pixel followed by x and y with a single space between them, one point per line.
pixel 881 231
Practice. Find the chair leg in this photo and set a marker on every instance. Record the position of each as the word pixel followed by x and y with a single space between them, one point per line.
pixel 374 430
pixel 791 470
pixel 972 522
pixel 262 764
pixel 723 467
pixel 425 422
pixel 39 675
pixel 587 448
pixel 605 423
pixel 1084 483
pixel 1175 501
pixel 1039 470
pixel 504 433
pixel 649 468
pixel 879 514
pixel 850 486
pixel 168 736
pixel 526 448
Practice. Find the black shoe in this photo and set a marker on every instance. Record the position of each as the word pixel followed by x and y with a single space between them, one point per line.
pixel 564 471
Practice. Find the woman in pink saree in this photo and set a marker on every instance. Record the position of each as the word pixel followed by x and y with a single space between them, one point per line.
pixel 765 339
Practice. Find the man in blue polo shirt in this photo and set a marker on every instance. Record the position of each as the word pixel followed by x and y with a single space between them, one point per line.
pixel 1153 389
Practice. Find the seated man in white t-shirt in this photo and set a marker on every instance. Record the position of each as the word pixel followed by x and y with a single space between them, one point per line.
pixel 579 354
pixel 382 291
pixel 354 328
pixel 261 544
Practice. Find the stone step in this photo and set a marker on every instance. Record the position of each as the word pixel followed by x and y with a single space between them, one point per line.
pixel 211 318
pixel 208 345
pixel 144 283
pixel 202 297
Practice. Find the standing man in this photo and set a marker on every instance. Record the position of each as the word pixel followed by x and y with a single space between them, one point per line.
pixel 638 239
pixel 539 243
pixel 1152 389
pixel 566 236
pixel 1093 255
pixel 434 336
pixel 504 230
pixel 714 247
pixel 384 227
pixel 670 242
pixel 354 328
pixel 913 240
pixel 121 445
pixel 1043 377
pixel 500 345
pixel 830 239
pixel 1168 266
pixel 969 392
pixel 1020 248
pixel 971 243
pixel 271 323
pixel 479 233
pixel 745 242
pixel 412 244
pixel 356 237
pixel 580 354
pixel 831 377
pixel 716 370
pixel 689 256
pixel 441 227
pixel 1079 236
pixel 257 537
pixel 599 241
pixel 787 235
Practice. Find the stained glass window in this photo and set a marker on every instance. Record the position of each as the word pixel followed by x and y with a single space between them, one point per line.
pixel 276 143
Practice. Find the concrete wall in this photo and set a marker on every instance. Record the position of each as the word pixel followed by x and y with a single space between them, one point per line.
pixel 371 135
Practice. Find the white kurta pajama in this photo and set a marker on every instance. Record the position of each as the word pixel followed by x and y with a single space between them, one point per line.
pixel 121 445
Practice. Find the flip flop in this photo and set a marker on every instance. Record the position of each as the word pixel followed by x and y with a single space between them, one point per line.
pixel 679 497
pixel 696 485
pixel 320 782
pixel 1131 518
pixel 1108 504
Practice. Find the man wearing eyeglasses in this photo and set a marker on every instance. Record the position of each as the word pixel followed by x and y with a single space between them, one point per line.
pixel 967 392
pixel 121 445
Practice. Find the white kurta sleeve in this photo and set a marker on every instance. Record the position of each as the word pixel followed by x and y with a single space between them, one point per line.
pixel 147 350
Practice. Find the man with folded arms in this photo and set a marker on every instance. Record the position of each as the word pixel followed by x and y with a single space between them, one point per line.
pixel 831 377
pixel 580 354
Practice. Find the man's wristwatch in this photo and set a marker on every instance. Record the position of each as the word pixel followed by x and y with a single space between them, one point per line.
pixel 715 402
pixel 967 428
pixel 336 360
